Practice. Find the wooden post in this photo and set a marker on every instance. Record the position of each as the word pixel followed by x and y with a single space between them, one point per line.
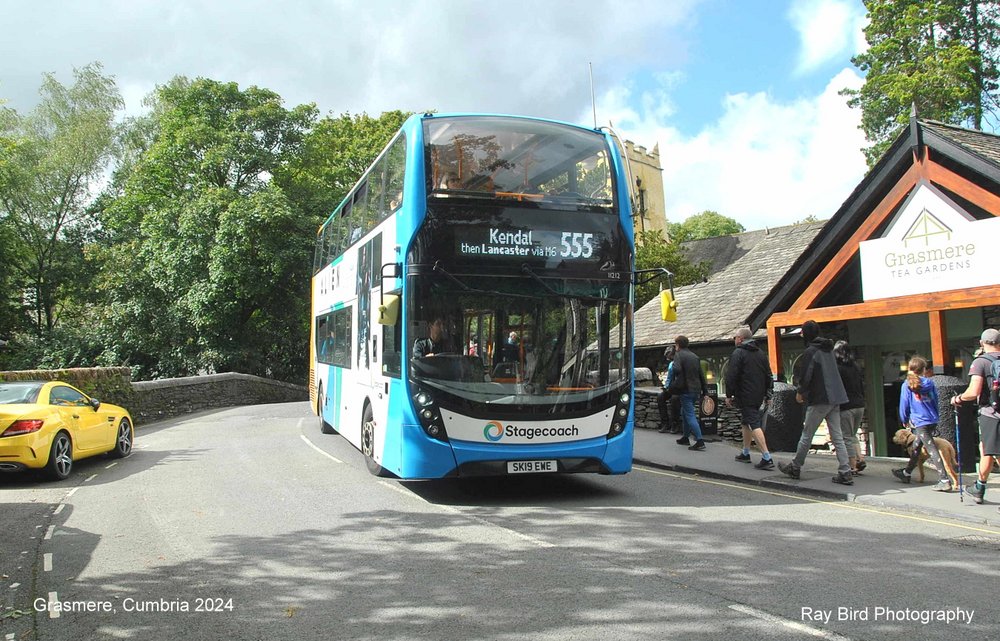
pixel 939 340
pixel 774 351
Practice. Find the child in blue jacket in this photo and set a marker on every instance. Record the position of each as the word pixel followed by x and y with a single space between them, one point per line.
pixel 918 410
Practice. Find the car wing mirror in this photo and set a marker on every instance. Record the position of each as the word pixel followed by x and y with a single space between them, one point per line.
pixel 96 404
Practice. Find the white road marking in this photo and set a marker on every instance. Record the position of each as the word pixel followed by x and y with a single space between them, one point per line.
pixel 298 425
pixel 59 508
pixel 47 561
pixel 72 492
pixel 48 532
pixel 788 623
pixel 13 586
pixel 53 599
pixel 329 456
pixel 10 636
pixel 90 478
pixel 110 465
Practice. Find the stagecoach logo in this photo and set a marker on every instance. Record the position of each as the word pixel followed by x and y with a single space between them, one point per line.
pixel 493 431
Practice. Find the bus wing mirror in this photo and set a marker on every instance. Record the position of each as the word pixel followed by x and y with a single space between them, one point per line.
pixel 388 310
pixel 668 306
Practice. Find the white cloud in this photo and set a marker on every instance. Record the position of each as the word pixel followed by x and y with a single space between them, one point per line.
pixel 828 31
pixel 763 163
pixel 352 55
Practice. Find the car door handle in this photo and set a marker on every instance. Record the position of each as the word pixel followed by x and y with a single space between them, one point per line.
pixel 76 416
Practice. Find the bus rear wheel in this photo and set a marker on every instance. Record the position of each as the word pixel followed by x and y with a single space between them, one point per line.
pixel 324 427
pixel 368 442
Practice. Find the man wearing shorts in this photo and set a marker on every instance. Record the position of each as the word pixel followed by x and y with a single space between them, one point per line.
pixel 749 383
pixel 989 422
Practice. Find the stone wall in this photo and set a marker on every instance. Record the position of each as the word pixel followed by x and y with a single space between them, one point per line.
pixel 165 398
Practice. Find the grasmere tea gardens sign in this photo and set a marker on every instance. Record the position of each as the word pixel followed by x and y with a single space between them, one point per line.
pixel 932 245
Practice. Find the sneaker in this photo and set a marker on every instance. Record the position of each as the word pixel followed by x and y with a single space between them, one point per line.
pixel 942 486
pixel 743 458
pixel 860 466
pixel 789 469
pixel 683 441
pixel 900 473
pixel 699 446
pixel 765 465
pixel 977 492
pixel 844 478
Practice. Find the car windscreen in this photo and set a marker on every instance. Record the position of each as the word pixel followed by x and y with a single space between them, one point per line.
pixel 15 393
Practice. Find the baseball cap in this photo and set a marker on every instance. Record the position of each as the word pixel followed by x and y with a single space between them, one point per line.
pixel 990 336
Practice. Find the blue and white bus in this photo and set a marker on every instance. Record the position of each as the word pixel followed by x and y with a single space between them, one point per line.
pixel 472 302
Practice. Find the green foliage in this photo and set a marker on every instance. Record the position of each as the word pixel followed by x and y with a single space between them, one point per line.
pixel 653 251
pixel 939 56
pixel 50 161
pixel 207 266
pixel 334 156
pixel 707 224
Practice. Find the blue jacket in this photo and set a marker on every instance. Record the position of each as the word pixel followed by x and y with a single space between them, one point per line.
pixel 919 408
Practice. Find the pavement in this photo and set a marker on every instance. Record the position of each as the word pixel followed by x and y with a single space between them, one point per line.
pixel 876 486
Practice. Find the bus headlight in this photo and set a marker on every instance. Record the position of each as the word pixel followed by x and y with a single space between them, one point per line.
pixel 429 415
pixel 619 419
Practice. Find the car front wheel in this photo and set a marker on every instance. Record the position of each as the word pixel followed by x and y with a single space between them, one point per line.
pixel 60 457
pixel 123 441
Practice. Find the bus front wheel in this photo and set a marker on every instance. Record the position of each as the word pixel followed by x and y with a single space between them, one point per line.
pixel 368 442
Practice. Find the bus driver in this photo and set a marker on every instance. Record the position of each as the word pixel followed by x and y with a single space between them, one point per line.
pixel 435 343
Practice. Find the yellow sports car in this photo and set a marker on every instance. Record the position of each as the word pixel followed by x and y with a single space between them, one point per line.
pixel 49 424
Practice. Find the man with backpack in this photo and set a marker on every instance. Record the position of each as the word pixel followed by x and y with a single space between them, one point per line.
pixel 983 388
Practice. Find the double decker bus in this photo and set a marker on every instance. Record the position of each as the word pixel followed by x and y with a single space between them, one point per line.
pixel 472 302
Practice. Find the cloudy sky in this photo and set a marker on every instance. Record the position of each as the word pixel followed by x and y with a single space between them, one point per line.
pixel 741 95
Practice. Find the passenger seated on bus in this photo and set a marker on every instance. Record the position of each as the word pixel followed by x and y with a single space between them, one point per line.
pixel 451 180
pixel 511 350
pixel 435 343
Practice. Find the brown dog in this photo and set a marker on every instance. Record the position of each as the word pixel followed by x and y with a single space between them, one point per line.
pixel 905 439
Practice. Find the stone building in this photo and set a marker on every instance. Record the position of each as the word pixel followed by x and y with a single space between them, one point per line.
pixel 649 212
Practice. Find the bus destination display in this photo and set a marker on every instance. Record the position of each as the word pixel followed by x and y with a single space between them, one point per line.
pixel 524 243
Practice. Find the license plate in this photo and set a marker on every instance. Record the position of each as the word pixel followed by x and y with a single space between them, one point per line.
pixel 531 467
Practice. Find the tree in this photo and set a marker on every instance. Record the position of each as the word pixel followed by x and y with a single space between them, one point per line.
pixel 653 251
pixel 50 161
pixel 207 267
pixel 707 224
pixel 334 156
pixel 937 56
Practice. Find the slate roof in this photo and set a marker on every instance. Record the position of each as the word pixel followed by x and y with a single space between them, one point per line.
pixel 744 270
pixel 978 142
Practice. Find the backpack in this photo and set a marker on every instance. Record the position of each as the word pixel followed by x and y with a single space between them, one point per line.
pixel 991 386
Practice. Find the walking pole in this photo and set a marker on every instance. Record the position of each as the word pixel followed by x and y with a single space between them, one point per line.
pixel 958 453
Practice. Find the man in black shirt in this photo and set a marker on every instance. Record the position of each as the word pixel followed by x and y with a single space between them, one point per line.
pixel 433 344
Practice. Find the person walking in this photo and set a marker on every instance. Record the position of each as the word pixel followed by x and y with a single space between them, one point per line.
pixel 749 385
pixel 689 383
pixel 818 386
pixel 853 411
pixel 989 421
pixel 918 410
